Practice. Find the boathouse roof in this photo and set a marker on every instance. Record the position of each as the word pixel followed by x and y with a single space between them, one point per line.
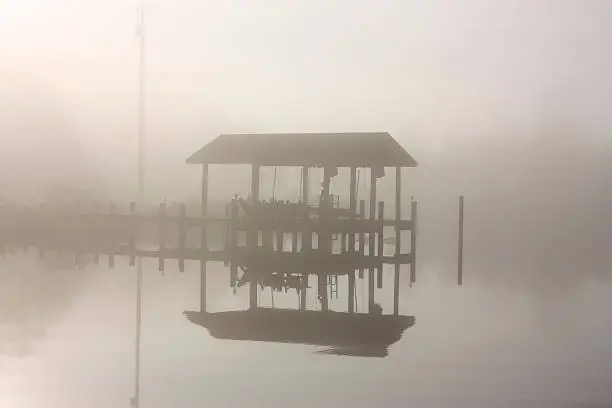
pixel 305 149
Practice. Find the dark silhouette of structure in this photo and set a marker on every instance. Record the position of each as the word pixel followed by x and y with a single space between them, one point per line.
pixel 265 261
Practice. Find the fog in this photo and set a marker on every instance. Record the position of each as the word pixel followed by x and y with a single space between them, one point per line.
pixel 506 103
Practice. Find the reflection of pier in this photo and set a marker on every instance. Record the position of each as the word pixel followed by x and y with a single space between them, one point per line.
pixel 326 239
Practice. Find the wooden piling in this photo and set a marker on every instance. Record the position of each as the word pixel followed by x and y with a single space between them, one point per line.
pixel 182 233
pixel 460 244
pixel 324 236
pixel 111 256
pixel 398 237
pixel 162 235
pixel 351 238
pixel 306 235
pixel 203 237
pixel 233 241
pixel 361 234
pixel 228 236
pixel 95 249
pixel 371 240
pixel 381 243
pixel 253 238
pixel 133 232
pixel 413 239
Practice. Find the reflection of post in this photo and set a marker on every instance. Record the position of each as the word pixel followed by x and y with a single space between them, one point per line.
pixel 253 238
pixel 203 238
pixel 362 219
pixel 398 237
pixel 460 244
pixel 371 239
pixel 351 238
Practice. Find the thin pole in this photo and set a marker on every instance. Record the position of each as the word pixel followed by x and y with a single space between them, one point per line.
pixel 141 178
pixel 460 244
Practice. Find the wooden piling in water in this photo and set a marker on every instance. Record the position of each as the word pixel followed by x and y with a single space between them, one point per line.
pixel 233 242
pixel 203 238
pixel 111 256
pixel 253 238
pixel 361 235
pixel 413 239
pixel 371 241
pixel 133 232
pixel 182 233
pixel 380 245
pixel 351 238
pixel 460 243
pixel 162 236
pixel 398 236
pixel 306 235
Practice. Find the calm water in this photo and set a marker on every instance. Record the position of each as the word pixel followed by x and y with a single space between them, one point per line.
pixel 71 344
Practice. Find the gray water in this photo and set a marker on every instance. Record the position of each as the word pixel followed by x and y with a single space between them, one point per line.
pixel 475 346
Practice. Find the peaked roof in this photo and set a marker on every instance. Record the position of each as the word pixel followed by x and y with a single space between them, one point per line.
pixel 302 149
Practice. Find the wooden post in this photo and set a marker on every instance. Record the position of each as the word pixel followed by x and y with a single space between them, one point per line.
pixel 306 235
pixel 371 240
pixel 111 255
pixel 227 244
pixel 133 224
pixel 460 244
pixel 162 235
pixel 44 228
pixel 381 243
pixel 182 236
pixel 324 238
pixel 96 240
pixel 413 216
pixel 203 237
pixel 233 241
pixel 398 237
pixel 351 238
pixel 361 234
pixel 253 239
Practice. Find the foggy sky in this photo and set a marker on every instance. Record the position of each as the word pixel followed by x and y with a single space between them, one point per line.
pixel 506 102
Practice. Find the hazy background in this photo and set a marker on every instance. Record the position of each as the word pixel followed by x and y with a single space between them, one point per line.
pixel 505 102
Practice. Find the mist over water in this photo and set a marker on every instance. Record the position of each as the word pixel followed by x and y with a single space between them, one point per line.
pixel 506 104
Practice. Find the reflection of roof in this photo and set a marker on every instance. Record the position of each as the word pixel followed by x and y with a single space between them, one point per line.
pixel 299 149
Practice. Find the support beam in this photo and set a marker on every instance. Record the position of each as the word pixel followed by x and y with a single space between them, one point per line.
pixel 398 238
pixel 203 238
pixel 306 236
pixel 351 238
pixel 380 245
pixel 371 240
pixel 324 236
pixel 253 238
